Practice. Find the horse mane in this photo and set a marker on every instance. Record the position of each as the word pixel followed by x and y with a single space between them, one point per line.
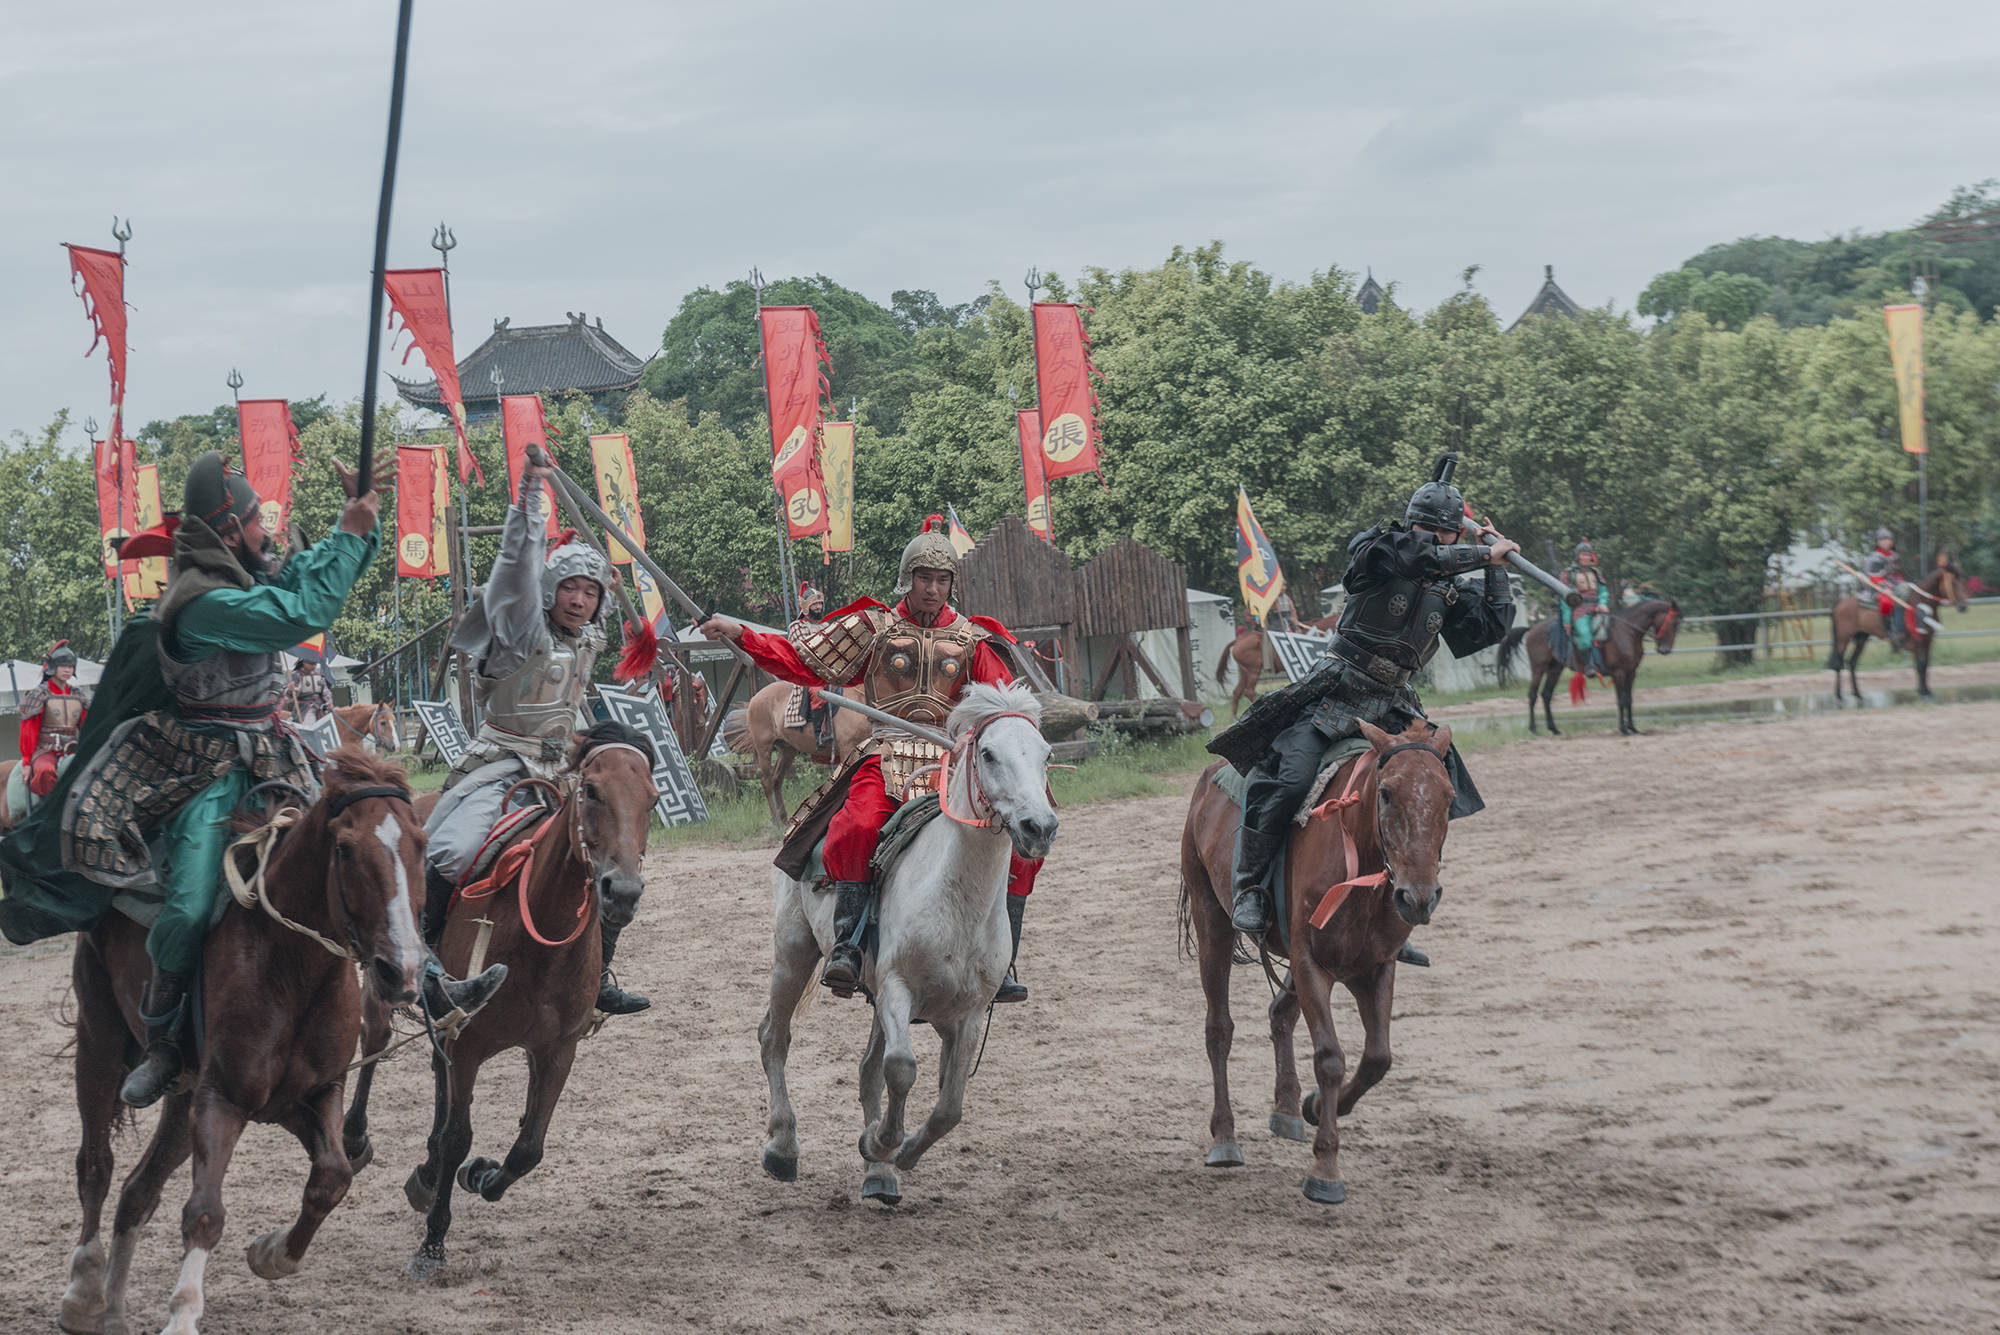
pixel 350 767
pixel 610 732
pixel 981 701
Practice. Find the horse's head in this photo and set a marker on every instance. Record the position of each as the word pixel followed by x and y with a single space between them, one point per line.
pixel 1001 763
pixel 614 813
pixel 375 847
pixel 1412 803
pixel 1668 626
pixel 1952 583
pixel 382 727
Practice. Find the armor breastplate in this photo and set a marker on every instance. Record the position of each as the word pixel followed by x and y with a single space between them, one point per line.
pixel 1878 565
pixel 1588 581
pixel 62 716
pixel 534 708
pixel 233 688
pixel 1400 618
pixel 916 671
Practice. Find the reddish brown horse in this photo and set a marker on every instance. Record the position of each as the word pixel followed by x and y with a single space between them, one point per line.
pixel 1247 649
pixel 281 1013
pixel 1624 648
pixel 1383 836
pixel 368 722
pixel 759 731
pixel 548 892
pixel 1855 620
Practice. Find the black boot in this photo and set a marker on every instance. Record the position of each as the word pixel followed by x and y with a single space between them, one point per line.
pixel 163 1007
pixel 437 903
pixel 1409 954
pixel 843 962
pixel 611 998
pixel 1256 851
pixel 1010 986
pixel 443 994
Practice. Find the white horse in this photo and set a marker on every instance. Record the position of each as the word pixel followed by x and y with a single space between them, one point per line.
pixel 942 942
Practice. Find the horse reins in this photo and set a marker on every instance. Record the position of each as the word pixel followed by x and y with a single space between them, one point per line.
pixel 1350 865
pixel 249 892
pixel 975 789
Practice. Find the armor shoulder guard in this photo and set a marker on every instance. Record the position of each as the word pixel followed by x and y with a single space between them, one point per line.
pixel 33 701
pixel 987 628
pixel 837 648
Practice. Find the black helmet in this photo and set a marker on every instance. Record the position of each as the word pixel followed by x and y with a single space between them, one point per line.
pixel 1437 504
pixel 217 493
pixel 59 655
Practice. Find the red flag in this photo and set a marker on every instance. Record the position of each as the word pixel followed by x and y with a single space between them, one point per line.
pixel 1037 481
pixel 522 423
pixel 270 447
pixel 416 522
pixel 117 498
pixel 795 389
pixel 418 296
pixel 1062 377
pixel 99 276
pixel 145 577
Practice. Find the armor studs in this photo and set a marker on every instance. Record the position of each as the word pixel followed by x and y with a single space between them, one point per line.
pixel 1433 622
pixel 1398 605
pixel 948 668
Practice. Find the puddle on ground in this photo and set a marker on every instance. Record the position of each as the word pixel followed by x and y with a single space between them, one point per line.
pixel 1718 711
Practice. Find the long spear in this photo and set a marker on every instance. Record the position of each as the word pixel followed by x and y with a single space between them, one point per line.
pixel 1922 614
pixel 365 469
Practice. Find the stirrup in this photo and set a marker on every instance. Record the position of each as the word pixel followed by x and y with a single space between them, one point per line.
pixel 1011 989
pixel 1250 914
pixel 615 1000
pixel 450 999
pixel 839 976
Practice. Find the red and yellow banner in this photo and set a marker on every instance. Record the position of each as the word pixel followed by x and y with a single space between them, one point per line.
pixel 117 499
pixel 1062 380
pixel 145 578
pixel 99 278
pixel 1034 477
pixel 836 463
pixel 522 423
pixel 794 389
pixel 416 525
pixel 270 447
pixel 961 541
pixel 1257 571
pixel 1906 356
pixel 418 296
pixel 618 493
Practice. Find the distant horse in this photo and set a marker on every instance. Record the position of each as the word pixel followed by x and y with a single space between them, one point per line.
pixel 1624 647
pixel 280 1005
pixel 1248 651
pixel 941 943
pixel 760 729
pixel 1855 620
pixel 366 722
pixel 548 891
pixel 1376 859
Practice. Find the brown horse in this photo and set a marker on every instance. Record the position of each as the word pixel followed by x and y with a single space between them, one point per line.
pixel 1624 648
pixel 1854 621
pixel 281 1012
pixel 760 730
pixel 1248 651
pixel 1383 839
pixel 586 861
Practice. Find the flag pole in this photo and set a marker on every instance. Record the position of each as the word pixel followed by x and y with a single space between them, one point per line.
pixel 364 480
pixel 1033 282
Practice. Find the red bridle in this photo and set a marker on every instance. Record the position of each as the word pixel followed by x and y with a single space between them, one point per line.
pixel 978 791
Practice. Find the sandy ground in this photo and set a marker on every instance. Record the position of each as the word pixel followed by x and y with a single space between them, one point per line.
pixel 1709 1047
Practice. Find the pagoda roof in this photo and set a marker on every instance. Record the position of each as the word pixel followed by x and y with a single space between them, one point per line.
pixel 1370 295
pixel 532 359
pixel 1550 301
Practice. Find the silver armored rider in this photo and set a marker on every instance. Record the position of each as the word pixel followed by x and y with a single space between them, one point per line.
pixel 532 637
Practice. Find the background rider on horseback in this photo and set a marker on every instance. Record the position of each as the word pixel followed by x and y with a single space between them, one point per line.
pixel 1587 619
pixel 51 718
pixel 532 636
pixel 1881 566
pixel 913 662
pixel 806 710
pixel 1403 594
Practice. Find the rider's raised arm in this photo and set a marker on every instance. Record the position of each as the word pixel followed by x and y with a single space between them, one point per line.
pixel 507 622
pixel 265 618
pixel 1472 624
pixel 1393 553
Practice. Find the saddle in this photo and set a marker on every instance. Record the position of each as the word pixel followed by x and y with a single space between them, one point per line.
pixel 1235 786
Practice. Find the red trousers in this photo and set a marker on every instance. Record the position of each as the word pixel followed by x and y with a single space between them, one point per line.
pixel 42 773
pixel 855 828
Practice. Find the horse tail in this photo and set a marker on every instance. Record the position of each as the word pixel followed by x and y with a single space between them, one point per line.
pixel 1577 688
pixel 1222 664
pixel 736 730
pixel 1508 648
pixel 1186 948
pixel 805 1002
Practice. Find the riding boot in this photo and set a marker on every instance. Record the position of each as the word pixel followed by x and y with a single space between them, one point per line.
pixel 437 903
pixel 163 1007
pixel 1899 631
pixel 843 963
pixel 1011 988
pixel 443 994
pixel 1409 954
pixel 1256 852
pixel 611 998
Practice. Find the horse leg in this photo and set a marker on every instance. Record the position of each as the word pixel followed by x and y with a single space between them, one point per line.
pixel 138 1198
pixel 101 1039
pixel 1286 1120
pixel 1627 725
pixel 1548 694
pixel 957 1045
pixel 1315 993
pixel 767 775
pixel 421 1187
pixel 1214 942
pixel 277 1254
pixel 217 1125
pixel 354 1141
pixel 1534 689
pixel 880 1183
pixel 1372 996
pixel 1854 664
pixel 548 1072
pixel 449 1147
pixel 884 1134
pixel 1920 654
pixel 794 951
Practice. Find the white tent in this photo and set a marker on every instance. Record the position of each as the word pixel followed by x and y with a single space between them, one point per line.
pixel 19 677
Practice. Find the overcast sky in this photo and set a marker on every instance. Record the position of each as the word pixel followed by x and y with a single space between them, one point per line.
pixel 611 155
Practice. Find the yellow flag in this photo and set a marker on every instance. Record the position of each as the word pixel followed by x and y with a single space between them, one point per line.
pixel 618 492
pixel 146 578
pixel 440 502
pixel 1257 572
pixel 836 461
pixel 1906 355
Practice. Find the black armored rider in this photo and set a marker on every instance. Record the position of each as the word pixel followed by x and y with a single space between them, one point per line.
pixel 1406 589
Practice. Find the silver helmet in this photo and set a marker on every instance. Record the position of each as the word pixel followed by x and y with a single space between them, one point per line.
pixel 1884 537
pixel 931 549
pixel 571 559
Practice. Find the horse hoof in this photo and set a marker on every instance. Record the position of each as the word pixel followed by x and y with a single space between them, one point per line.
pixel 473 1172
pixel 784 1167
pixel 1309 1109
pixel 79 1319
pixel 361 1158
pixel 1324 1192
pixel 883 1187
pixel 1224 1155
pixel 267 1258
pixel 418 1192
pixel 1289 1128
pixel 426 1265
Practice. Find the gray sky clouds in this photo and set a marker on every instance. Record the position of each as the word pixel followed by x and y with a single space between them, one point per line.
pixel 611 155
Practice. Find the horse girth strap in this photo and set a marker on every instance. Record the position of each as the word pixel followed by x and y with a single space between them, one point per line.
pixel 337 804
pixel 250 892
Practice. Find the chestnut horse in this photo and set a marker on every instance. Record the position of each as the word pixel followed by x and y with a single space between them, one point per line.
pixel 1379 852
pixel 760 730
pixel 366 722
pixel 1624 647
pixel 281 1011
pixel 1248 651
pixel 1854 621
pixel 550 889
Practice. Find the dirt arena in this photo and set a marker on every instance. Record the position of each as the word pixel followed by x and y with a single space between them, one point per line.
pixel 1710 1047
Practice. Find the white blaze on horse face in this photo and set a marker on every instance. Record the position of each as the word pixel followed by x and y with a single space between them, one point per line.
pixel 402 916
